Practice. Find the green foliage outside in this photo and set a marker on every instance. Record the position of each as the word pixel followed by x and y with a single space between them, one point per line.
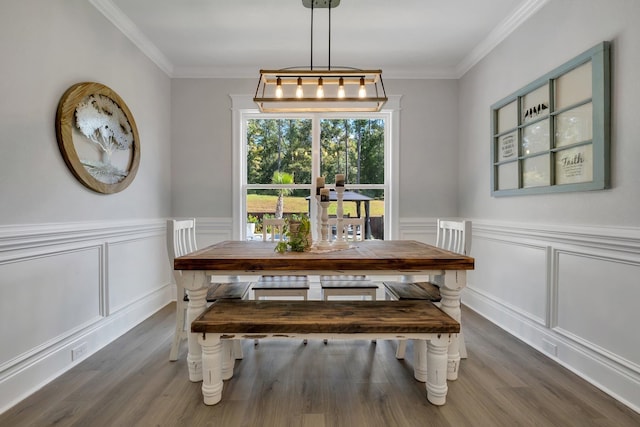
pixel 349 146
pixel 353 147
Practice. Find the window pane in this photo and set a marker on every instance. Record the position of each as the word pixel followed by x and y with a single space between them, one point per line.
pixel 573 87
pixel 536 171
pixel 574 125
pixel 535 104
pixel 508 117
pixel 279 145
pixel 535 138
pixel 508 176
pixel 574 165
pixel 354 147
pixel 507 146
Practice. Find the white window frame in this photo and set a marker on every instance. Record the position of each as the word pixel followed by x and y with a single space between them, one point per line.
pixel 243 108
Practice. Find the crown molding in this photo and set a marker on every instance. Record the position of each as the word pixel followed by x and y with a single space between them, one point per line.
pixel 527 9
pixel 133 33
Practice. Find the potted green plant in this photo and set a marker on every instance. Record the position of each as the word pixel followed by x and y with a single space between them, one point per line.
pixel 297 233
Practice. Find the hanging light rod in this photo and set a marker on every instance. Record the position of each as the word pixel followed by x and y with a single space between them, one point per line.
pixel 320 4
pixel 324 89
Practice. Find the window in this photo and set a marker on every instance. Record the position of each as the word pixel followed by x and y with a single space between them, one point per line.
pixel 278 157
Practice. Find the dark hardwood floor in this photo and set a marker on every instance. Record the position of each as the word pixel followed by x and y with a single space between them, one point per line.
pixel 344 383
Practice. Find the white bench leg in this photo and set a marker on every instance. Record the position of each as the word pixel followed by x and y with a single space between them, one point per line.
pixel 401 349
pixel 212 368
pixel 228 359
pixel 462 347
pixel 437 370
pixel 420 362
pixel 237 350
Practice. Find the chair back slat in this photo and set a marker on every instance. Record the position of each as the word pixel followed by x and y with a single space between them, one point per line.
pixel 272 229
pixel 454 236
pixel 181 238
pixel 353 228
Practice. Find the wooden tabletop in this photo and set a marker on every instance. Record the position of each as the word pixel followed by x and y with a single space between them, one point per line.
pixel 330 317
pixel 369 255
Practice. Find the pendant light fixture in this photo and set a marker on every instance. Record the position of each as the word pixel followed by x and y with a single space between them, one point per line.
pixel 323 89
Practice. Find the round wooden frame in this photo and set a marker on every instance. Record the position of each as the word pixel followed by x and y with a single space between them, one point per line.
pixel 64 133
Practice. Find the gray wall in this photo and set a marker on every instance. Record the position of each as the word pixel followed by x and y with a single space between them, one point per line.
pixel 560 271
pixel 47 46
pixel 77 268
pixel 201 150
pixel 557 33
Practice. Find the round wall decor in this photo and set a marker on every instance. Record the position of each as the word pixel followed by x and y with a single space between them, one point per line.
pixel 98 138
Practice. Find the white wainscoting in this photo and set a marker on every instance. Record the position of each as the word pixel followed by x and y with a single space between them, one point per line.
pixel 571 292
pixel 213 230
pixel 73 285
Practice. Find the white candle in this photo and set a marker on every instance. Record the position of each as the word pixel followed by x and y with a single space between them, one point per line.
pixel 324 194
pixel 340 180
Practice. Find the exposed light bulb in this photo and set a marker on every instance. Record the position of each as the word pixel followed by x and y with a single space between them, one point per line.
pixel 299 92
pixel 341 88
pixel 320 91
pixel 278 88
pixel 362 93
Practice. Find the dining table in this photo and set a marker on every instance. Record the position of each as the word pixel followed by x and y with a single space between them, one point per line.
pixel 403 258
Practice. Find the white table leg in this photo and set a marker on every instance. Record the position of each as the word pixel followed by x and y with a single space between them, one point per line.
pixel 212 368
pixel 454 282
pixel 195 283
pixel 437 370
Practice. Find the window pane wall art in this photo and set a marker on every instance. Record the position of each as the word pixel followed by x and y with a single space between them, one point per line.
pixel 553 134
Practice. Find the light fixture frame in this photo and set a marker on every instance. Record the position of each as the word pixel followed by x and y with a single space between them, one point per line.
pixel 268 102
pixel 330 77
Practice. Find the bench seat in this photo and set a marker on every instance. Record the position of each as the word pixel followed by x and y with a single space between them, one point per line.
pixel 231 290
pixel 413 291
pixel 227 320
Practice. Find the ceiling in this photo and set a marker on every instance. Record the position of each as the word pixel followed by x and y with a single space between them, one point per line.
pixel 404 38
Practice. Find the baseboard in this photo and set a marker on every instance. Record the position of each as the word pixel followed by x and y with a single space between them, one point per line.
pixel 35 372
pixel 613 378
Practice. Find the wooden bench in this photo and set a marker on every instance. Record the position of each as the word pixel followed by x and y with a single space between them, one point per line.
pixel 228 320
pixel 408 291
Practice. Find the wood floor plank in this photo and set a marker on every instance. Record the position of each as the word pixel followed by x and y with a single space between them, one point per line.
pixel 504 382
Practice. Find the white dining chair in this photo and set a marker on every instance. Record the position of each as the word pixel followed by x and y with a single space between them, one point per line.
pixel 181 240
pixel 348 285
pixel 451 235
pixel 273 229
pixel 454 236
pixel 345 285
pixel 288 286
